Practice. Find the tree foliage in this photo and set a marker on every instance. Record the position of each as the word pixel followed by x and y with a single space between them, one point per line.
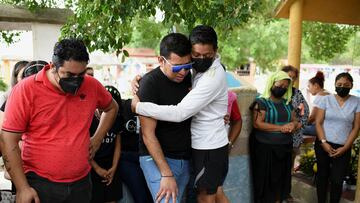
pixel 327 40
pixel 107 24
pixel 264 42
pixel 3 85
pixel 32 5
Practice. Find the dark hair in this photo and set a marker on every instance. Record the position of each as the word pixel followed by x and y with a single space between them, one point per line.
pixel 175 43
pixel 89 68
pixel 345 75
pixel 69 49
pixel 17 67
pixel 114 93
pixel 203 34
pixel 319 79
pixel 33 67
pixel 290 68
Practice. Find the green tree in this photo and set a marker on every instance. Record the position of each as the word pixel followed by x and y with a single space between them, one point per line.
pixel 327 40
pixel 3 85
pixel 264 42
pixel 107 24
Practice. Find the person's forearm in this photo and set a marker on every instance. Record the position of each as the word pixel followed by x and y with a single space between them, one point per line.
pixel 352 136
pixel 354 132
pixel 94 165
pixel 117 151
pixel 297 124
pixel 154 149
pixel 268 127
pixel 311 119
pixel 169 113
pixel 320 130
pixel 235 129
pixel 106 121
pixel 12 160
pixel 312 116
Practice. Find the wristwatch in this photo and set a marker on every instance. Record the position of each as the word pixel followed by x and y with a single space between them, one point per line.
pixel 323 141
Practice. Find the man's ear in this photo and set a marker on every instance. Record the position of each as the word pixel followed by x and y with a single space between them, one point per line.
pixel 160 59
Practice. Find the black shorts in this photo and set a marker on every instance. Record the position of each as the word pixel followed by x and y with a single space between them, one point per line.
pixel 210 167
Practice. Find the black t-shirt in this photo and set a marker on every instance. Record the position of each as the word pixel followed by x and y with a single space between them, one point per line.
pixel 129 128
pixel 107 146
pixel 174 138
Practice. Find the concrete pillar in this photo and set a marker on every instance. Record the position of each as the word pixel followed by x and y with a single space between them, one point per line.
pixel 44 38
pixel 295 35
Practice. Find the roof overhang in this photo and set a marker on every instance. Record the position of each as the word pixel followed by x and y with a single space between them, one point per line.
pixel 326 11
pixel 12 17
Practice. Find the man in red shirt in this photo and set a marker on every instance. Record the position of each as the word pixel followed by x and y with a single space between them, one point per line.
pixel 52 112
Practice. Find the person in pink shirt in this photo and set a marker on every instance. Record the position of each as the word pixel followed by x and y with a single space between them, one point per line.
pixel 235 118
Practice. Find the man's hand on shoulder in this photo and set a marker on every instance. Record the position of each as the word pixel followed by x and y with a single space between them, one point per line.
pixel 135 84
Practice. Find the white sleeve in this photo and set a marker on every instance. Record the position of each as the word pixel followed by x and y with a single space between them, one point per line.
pixel 207 89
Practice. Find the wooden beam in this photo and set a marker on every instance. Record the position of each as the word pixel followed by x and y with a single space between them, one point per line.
pixel 18 14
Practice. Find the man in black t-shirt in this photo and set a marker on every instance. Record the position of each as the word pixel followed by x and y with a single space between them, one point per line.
pixel 165 146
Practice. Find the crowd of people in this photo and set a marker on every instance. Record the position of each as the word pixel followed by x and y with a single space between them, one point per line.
pixel 67 138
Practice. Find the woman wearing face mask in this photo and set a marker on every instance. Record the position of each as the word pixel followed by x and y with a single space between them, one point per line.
pixel 316 88
pixel 271 141
pixel 337 125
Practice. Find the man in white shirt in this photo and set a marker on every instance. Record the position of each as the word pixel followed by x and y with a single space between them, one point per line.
pixel 207 104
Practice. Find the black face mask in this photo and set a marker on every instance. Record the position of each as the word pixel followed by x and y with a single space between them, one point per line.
pixel 71 85
pixel 342 91
pixel 278 92
pixel 202 64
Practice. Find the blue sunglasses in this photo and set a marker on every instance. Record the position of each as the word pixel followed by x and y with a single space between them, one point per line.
pixel 177 68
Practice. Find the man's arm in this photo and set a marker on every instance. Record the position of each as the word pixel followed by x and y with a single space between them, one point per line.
pixel 207 88
pixel 11 156
pixel 168 187
pixel 106 121
pixel 235 123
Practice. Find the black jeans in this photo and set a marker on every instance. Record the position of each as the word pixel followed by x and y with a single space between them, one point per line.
pixel 330 169
pixel 53 192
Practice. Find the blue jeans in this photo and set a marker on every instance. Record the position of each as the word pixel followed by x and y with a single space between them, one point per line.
pixel 179 167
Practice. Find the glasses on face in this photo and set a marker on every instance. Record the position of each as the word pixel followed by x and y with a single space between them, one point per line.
pixel 177 68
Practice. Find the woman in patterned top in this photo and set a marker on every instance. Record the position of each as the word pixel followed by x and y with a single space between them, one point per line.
pixel 301 109
pixel 300 106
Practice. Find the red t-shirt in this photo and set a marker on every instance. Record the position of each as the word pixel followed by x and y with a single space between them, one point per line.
pixel 55 125
pixel 235 112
